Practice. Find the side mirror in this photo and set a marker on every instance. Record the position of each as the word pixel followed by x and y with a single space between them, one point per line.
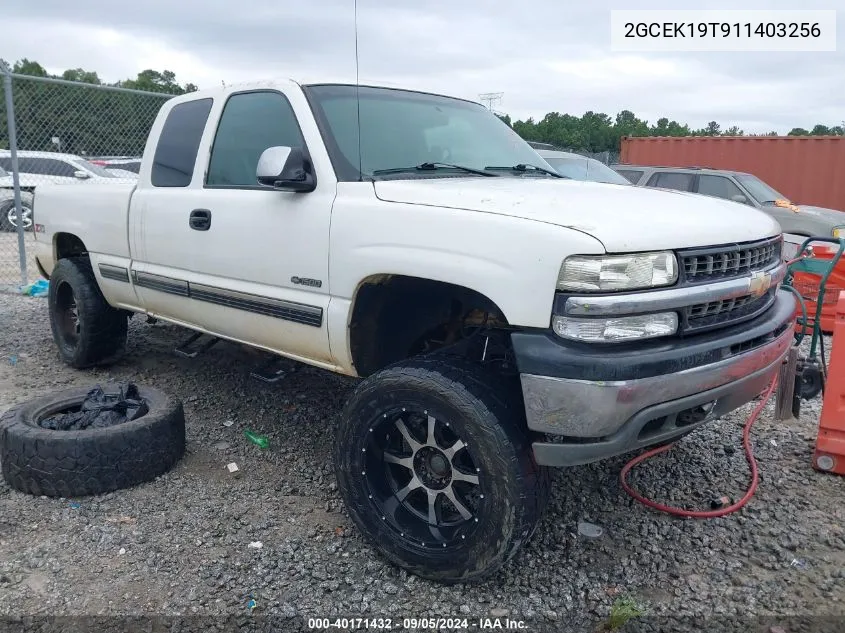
pixel 285 169
pixel 739 198
pixel 81 175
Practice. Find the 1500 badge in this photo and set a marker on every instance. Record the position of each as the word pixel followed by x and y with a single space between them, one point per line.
pixel 304 281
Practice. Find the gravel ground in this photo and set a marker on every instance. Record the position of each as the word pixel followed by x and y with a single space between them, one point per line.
pixel 179 546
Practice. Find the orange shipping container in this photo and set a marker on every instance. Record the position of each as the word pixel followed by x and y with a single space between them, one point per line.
pixel 806 169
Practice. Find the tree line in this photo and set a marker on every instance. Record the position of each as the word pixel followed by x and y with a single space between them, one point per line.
pixel 598 132
pixel 78 119
pixel 90 122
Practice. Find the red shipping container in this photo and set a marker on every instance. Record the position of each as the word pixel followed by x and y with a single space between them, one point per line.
pixel 806 169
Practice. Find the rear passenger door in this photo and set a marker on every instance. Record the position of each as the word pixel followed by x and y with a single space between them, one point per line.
pixel 163 259
pixel 679 181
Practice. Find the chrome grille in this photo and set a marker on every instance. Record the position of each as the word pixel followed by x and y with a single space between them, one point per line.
pixel 730 261
pixel 726 311
pixel 714 308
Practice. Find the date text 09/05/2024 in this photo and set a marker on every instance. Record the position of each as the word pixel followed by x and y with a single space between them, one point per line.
pixel 417 624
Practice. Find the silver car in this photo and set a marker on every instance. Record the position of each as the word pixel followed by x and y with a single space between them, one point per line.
pixel 795 219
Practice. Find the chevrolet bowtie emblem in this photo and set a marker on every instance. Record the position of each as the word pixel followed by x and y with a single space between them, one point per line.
pixel 759 283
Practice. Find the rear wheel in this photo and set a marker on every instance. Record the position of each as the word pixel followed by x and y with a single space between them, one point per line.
pixel 436 469
pixel 86 329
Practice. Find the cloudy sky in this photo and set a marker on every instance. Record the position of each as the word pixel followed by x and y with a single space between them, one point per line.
pixel 544 55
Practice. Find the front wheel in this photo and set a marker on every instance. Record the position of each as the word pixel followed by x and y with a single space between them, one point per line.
pixel 435 466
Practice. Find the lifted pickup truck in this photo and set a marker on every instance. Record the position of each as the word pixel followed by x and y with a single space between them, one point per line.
pixel 502 319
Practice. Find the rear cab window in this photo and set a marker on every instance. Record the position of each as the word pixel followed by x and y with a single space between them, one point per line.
pixel 178 143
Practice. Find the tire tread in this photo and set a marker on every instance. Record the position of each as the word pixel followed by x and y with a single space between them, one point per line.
pixel 103 336
pixel 41 461
pixel 494 404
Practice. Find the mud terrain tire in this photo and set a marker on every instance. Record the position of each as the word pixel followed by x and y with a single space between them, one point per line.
pixel 399 484
pixel 75 463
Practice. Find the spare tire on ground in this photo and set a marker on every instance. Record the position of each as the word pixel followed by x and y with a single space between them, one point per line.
pixel 87 441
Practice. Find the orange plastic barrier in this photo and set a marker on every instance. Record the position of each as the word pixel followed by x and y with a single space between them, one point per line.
pixel 829 455
pixel 808 285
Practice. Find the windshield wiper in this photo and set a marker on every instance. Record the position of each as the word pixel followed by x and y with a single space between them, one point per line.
pixel 432 167
pixel 525 168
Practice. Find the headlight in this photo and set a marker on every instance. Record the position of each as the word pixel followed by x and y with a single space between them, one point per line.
pixel 617 272
pixel 619 329
pixel 839 232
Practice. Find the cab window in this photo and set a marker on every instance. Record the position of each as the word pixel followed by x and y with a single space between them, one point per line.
pixel 251 122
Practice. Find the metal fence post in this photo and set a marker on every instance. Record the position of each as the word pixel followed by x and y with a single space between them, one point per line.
pixel 16 184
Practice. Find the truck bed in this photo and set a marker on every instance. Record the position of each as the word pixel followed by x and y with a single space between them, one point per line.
pixel 97 211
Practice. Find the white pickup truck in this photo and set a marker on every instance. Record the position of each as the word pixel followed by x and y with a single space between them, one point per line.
pixel 504 320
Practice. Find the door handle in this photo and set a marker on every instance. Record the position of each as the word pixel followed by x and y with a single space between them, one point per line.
pixel 200 219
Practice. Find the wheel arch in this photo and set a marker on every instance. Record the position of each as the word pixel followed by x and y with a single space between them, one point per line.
pixel 67 245
pixel 390 314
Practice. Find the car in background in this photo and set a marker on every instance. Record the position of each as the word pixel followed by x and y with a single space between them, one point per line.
pixel 53 167
pixel 38 168
pixel 795 219
pixel 118 163
pixel 124 174
pixel 580 167
pixel 8 215
pixel 538 145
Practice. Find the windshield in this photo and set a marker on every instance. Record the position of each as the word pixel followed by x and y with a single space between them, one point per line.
pixel 586 169
pixel 401 129
pixel 94 169
pixel 759 190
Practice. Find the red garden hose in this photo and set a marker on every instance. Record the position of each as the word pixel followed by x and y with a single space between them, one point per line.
pixel 749 455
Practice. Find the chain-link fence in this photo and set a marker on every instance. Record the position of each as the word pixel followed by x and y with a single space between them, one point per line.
pixel 63 132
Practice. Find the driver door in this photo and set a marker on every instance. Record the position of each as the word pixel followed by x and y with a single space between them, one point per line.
pixel 260 256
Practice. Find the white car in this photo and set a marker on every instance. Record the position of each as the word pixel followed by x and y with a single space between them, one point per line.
pixel 52 167
pixel 8 213
pixel 121 163
pixel 40 168
pixel 501 319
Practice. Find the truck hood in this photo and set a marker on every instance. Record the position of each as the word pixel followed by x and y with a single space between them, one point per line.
pixel 623 218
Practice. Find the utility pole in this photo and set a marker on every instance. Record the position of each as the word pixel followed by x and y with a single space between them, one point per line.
pixel 489 98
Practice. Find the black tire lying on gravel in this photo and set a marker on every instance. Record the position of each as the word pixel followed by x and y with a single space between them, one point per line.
pixel 86 329
pixel 93 461
pixel 399 485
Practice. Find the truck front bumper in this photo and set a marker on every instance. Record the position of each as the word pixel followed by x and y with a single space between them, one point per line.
pixel 599 401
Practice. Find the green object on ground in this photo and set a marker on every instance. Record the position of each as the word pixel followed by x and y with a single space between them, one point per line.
pixel 258 440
